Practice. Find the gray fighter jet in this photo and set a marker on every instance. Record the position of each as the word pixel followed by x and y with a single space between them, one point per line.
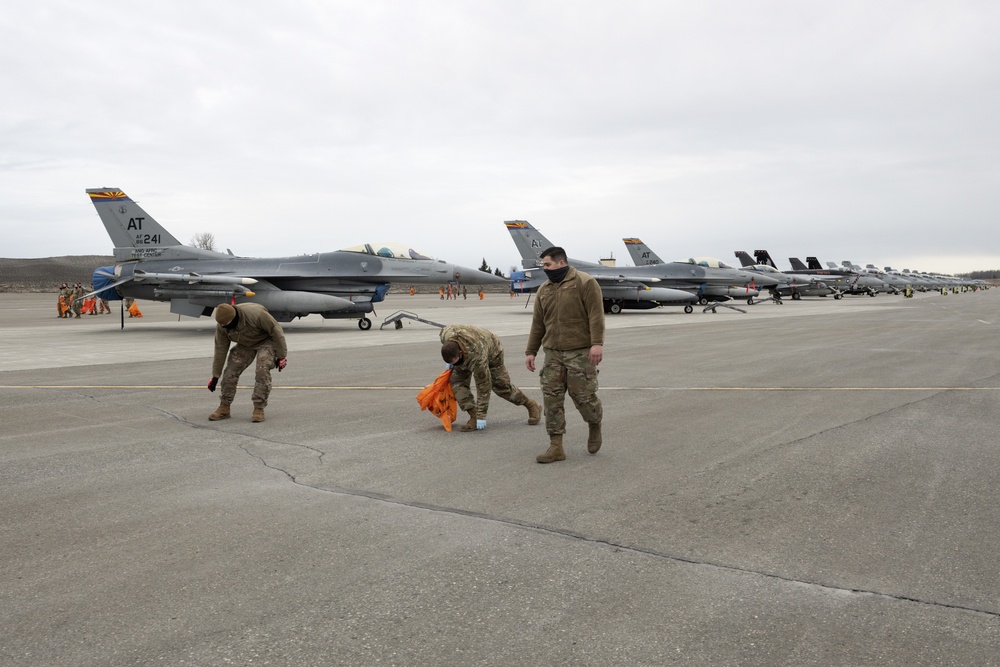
pixel 794 285
pixel 632 286
pixel 741 283
pixel 627 287
pixel 152 264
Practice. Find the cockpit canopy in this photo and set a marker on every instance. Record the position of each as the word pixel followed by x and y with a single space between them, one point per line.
pixel 706 262
pixel 393 250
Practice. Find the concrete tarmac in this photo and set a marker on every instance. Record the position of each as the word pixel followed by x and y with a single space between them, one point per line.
pixel 813 483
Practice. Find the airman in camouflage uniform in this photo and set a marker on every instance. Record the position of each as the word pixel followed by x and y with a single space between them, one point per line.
pixel 568 323
pixel 475 352
pixel 78 293
pixel 256 334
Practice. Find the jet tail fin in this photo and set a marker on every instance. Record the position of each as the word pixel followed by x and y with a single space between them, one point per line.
pixel 745 259
pixel 640 253
pixel 135 233
pixel 797 264
pixel 764 257
pixel 813 263
pixel 529 242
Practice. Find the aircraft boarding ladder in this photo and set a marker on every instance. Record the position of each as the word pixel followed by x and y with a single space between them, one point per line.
pixel 397 319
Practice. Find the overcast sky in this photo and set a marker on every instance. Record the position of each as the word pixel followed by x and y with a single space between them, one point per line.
pixel 846 130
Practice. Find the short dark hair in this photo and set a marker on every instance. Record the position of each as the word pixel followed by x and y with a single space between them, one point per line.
pixel 555 252
pixel 450 351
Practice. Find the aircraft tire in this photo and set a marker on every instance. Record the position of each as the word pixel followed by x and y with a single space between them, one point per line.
pixel 750 301
pixel 838 297
pixel 796 296
pixel 689 309
pixel 364 324
pixel 615 308
pixel 702 301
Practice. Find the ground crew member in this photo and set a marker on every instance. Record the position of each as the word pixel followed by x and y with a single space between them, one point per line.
pixel 256 334
pixel 78 293
pixel 568 323
pixel 65 295
pixel 476 352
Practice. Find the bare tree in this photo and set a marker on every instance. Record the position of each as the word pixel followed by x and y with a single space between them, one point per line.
pixel 204 240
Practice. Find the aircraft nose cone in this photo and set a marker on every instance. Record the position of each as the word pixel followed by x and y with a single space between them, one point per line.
pixel 464 274
pixel 763 280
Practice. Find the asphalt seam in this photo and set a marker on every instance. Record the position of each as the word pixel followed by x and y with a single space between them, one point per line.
pixel 797 441
pixel 560 532
pixel 378 497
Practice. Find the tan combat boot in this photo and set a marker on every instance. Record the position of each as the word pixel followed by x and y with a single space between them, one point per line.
pixel 534 412
pixel 471 424
pixel 221 412
pixel 258 415
pixel 594 439
pixel 554 452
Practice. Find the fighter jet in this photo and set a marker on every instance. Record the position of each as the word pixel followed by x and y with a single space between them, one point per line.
pixel 741 284
pixel 621 287
pixel 628 287
pixel 862 284
pixel 152 264
pixel 794 285
pixel 896 284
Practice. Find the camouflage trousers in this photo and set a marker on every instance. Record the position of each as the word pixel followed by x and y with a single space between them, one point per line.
pixel 239 358
pixel 461 384
pixel 569 370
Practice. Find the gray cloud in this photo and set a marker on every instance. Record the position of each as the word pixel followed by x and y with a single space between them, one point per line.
pixel 861 131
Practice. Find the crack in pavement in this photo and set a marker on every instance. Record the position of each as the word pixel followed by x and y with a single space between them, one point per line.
pixel 570 534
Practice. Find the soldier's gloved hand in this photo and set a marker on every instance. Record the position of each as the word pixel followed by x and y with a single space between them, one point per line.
pixel 281 364
pixel 211 383
pixel 480 424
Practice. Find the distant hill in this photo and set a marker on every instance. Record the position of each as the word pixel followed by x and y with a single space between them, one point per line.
pixel 47 273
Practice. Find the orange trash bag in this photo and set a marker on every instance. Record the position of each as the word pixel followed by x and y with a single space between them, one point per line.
pixel 440 399
pixel 134 310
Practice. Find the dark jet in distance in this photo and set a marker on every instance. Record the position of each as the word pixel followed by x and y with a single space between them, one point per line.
pixel 793 285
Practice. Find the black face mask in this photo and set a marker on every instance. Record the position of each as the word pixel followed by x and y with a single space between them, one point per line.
pixel 236 320
pixel 557 275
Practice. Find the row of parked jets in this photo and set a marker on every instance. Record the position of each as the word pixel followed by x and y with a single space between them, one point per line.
pixel 150 263
pixel 653 282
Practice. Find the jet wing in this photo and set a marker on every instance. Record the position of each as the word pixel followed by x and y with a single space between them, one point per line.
pixel 610 278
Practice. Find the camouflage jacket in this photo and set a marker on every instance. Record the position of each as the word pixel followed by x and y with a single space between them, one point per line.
pixel 568 315
pixel 481 349
pixel 256 327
